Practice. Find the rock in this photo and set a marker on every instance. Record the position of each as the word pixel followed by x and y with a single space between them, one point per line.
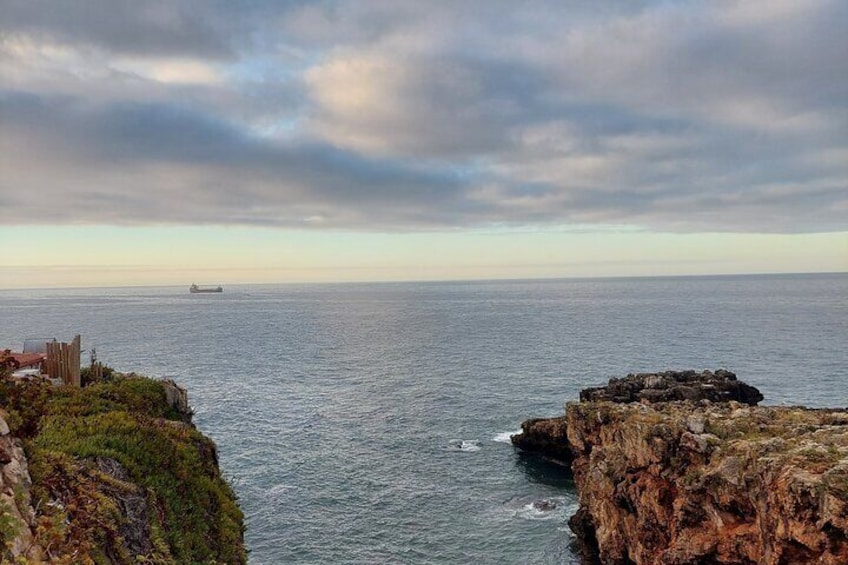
pixel 764 485
pixel 584 530
pixel 15 508
pixel 545 436
pixel 699 443
pixel 720 386
pixel 695 423
pixel 177 398
pixel 131 500
pixel 545 505
pixel 548 436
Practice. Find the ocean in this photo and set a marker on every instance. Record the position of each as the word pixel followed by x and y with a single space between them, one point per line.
pixel 369 423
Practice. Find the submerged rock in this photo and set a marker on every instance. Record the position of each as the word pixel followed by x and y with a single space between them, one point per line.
pixel 750 485
pixel 545 505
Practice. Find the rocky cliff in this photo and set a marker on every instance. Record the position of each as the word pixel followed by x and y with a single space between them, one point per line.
pixel 683 468
pixel 718 386
pixel 17 516
pixel 678 482
pixel 548 436
pixel 111 473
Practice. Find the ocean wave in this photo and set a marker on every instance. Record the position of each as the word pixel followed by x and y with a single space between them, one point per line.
pixel 550 508
pixel 279 492
pixel 467 445
pixel 505 437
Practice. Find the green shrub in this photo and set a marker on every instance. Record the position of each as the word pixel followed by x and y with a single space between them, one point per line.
pixel 165 465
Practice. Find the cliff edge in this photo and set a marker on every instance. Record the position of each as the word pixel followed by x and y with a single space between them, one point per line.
pixel 113 473
pixel 684 468
pixel 548 436
pixel 676 483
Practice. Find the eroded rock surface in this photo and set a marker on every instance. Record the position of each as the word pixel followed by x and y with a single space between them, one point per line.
pixel 546 436
pixel 177 398
pixel 683 482
pixel 719 386
pixel 17 517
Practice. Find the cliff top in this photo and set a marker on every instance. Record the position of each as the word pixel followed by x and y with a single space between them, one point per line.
pixel 719 386
pixel 814 441
pixel 119 475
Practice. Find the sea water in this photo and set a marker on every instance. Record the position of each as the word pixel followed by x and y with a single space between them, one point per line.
pixel 370 423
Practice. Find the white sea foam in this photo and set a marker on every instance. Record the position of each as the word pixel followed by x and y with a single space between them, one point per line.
pixel 552 508
pixel 505 437
pixel 279 492
pixel 467 445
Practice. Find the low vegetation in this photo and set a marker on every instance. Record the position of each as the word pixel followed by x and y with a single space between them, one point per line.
pixel 119 476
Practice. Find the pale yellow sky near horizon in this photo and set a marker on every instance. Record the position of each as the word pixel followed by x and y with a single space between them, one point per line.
pixel 83 256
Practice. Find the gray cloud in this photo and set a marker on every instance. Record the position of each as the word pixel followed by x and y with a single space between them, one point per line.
pixel 153 163
pixel 148 28
pixel 695 116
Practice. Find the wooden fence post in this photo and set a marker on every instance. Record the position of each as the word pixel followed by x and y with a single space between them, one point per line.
pixel 75 362
pixel 52 365
pixel 63 361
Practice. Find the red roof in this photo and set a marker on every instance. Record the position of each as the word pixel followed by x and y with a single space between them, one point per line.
pixel 27 359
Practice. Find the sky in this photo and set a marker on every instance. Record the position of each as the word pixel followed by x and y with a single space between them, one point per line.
pixel 179 141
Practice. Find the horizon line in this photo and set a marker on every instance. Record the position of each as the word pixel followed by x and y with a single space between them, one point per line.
pixel 446 281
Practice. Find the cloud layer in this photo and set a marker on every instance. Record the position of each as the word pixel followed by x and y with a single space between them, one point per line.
pixel 370 114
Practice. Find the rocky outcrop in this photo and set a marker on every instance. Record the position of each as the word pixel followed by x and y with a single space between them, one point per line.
pixel 682 482
pixel 681 468
pixel 721 386
pixel 545 436
pixel 548 436
pixel 176 398
pixel 131 501
pixel 17 517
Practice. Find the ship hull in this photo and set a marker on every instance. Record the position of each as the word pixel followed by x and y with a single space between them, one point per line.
pixel 198 290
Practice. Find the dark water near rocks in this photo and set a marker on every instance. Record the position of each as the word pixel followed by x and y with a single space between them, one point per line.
pixel 367 423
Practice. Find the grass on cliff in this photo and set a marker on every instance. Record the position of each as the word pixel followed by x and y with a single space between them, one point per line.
pixel 118 477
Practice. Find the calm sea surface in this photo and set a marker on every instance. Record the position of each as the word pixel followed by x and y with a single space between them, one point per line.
pixel 368 423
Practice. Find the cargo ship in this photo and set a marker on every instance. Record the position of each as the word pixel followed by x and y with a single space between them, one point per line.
pixel 194 289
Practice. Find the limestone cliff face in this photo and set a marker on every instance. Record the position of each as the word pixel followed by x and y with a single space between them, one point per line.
pixel 692 483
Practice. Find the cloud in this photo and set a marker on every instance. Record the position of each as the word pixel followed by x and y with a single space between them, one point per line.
pixel 418 106
pixel 157 27
pixel 369 114
pixel 65 161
